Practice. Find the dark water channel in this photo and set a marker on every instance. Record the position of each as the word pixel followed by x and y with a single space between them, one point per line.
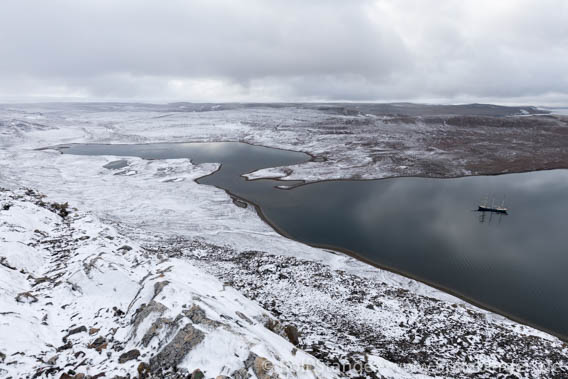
pixel 515 264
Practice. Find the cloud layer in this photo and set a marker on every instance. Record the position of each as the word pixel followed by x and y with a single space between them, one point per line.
pixel 255 50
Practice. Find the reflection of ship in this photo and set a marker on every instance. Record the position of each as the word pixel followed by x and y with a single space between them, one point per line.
pixel 485 207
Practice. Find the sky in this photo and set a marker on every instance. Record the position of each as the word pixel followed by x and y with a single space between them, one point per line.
pixel 452 51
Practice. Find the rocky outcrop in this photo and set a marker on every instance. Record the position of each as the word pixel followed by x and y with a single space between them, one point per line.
pixel 141 314
pixel 171 355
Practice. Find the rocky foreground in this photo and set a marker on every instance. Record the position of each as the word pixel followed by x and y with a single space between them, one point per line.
pixel 80 299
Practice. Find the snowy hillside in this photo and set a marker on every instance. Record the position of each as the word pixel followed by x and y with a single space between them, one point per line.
pixel 77 297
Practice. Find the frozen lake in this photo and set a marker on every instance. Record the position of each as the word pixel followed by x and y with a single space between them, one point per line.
pixel 425 228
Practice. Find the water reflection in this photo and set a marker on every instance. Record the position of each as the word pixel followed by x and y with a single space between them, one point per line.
pixel 428 228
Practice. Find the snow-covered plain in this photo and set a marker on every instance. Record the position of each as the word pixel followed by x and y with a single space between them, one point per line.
pixel 356 311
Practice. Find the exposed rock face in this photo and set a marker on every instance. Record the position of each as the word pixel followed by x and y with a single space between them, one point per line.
pixel 197 316
pixel 145 310
pixel 171 355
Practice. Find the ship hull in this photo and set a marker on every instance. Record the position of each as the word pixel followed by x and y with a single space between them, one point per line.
pixel 489 209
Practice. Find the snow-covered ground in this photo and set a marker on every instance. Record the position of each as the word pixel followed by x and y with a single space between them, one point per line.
pixel 195 238
pixel 78 297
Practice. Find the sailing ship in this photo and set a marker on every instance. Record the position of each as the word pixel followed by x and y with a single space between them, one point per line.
pixel 485 207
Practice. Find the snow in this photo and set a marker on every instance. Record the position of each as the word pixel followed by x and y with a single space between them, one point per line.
pixel 158 203
pixel 90 279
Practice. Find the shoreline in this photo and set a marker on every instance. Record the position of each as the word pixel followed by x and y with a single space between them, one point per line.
pixel 339 250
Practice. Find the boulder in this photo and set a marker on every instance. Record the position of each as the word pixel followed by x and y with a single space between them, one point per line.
pixel 128 356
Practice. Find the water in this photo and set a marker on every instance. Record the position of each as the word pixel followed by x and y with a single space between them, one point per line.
pixel 427 228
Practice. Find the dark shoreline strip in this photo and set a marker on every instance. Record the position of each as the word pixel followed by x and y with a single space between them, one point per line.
pixel 346 251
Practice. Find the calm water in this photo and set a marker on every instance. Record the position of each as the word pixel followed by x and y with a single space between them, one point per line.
pixel 427 228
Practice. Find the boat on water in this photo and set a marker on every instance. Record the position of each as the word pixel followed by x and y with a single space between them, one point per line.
pixel 485 207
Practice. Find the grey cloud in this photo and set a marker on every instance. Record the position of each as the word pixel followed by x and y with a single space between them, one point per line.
pixel 220 50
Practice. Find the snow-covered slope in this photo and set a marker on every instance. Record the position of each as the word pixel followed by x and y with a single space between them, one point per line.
pixel 77 297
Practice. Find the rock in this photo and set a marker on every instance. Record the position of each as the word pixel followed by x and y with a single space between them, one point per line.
pixel 2 357
pixel 143 370
pixel 244 317
pixel 124 248
pixel 93 331
pixel 240 374
pixel 197 316
pixel 145 310
pixel 128 356
pixel 292 334
pixel 26 298
pixel 79 329
pixel 117 312
pixel 173 353
pixel 273 325
pixel 67 346
pixel 153 330
pixel 53 360
pixel 99 344
pixel 197 374
pixel 72 375
pixel 158 287
pixel 61 209
pixel 262 368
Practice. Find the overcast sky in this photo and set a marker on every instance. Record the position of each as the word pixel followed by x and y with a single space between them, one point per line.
pixel 505 51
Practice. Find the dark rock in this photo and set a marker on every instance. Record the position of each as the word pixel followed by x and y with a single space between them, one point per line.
pixel 79 329
pixel 292 334
pixel 124 248
pixel 241 315
pixel 197 316
pixel 26 298
pixel 67 346
pixel 117 312
pixel 145 310
pixel 171 355
pixel 99 344
pixel 197 374
pixel 239 203
pixel 273 325
pixel 128 356
pixel 158 287
pixel 2 357
pixel 240 374
pixel 144 370
pixel 60 208
pixel 4 262
pixel 154 329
